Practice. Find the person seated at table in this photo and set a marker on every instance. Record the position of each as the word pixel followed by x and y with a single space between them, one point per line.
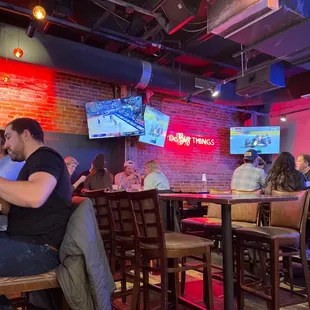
pixel 72 163
pixel 303 165
pixel 128 177
pixel 248 177
pixel 155 178
pixel 40 204
pixel 99 177
pixel 261 163
pixel 8 170
pixel 283 176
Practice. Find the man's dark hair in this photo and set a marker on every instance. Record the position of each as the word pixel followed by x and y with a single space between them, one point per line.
pixel 25 123
pixel 247 161
pixel 306 158
pixel 2 141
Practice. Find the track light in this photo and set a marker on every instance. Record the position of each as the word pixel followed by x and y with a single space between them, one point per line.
pixel 283 118
pixel 6 78
pixel 32 29
pixel 39 12
pixel 18 52
pixel 216 90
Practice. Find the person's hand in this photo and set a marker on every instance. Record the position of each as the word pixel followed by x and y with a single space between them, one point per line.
pixel 132 176
pixel 81 179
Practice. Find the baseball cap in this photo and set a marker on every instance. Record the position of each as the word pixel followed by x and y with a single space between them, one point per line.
pixel 250 154
pixel 128 163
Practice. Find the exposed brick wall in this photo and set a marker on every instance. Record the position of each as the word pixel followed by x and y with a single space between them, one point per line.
pixel 56 100
pixel 184 168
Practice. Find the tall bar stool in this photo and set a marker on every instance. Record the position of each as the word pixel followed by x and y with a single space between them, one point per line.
pixel 126 245
pixel 281 239
pixel 101 205
pixel 167 247
pixel 243 215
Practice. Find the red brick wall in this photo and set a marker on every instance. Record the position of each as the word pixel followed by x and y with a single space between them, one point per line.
pixel 184 165
pixel 56 100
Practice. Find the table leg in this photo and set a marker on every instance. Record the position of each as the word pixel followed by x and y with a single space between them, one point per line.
pixel 228 263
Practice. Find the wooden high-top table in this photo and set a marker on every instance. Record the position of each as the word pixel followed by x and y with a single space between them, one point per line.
pixel 226 201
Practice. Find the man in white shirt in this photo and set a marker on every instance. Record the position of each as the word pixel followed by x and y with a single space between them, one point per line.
pixel 248 177
pixel 128 177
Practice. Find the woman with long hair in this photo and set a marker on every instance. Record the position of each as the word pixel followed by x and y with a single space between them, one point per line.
pixel 99 176
pixel 283 176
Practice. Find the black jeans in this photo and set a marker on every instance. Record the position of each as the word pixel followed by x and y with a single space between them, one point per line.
pixel 19 259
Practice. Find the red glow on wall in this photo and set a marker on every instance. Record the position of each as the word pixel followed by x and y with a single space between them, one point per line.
pixel 29 93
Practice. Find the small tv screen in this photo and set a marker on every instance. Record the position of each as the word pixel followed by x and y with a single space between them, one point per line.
pixel 265 140
pixel 115 118
pixel 156 125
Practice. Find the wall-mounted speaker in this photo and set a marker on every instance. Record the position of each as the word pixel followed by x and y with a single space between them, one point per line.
pixel 179 13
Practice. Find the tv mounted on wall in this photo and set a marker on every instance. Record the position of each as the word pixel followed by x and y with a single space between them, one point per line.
pixel 156 125
pixel 265 140
pixel 115 118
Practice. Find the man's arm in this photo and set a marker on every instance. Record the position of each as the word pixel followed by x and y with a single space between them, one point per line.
pixel 4 207
pixel 29 194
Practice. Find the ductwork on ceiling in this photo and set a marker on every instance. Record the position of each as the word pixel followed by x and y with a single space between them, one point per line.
pixel 75 58
pixel 273 27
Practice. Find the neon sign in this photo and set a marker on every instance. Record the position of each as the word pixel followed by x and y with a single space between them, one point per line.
pixel 180 139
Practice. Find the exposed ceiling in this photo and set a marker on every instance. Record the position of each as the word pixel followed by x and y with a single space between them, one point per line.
pixel 192 47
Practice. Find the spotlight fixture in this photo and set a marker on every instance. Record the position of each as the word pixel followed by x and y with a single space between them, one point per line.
pixel 32 29
pixel 6 78
pixel 283 118
pixel 216 90
pixel 39 12
pixel 18 52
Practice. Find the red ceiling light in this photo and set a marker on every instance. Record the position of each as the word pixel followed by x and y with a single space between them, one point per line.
pixel 6 78
pixel 39 12
pixel 18 52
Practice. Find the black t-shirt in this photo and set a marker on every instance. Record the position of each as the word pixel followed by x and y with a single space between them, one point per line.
pixel 47 224
pixel 307 175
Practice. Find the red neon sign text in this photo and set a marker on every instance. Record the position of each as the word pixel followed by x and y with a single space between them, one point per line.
pixel 180 139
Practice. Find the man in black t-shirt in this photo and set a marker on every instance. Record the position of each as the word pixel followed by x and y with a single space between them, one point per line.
pixel 40 203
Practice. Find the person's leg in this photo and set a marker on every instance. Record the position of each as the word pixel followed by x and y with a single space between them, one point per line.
pixel 19 259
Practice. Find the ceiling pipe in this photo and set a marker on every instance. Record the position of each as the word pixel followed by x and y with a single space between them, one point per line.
pixel 82 60
pixel 110 34
pixel 129 6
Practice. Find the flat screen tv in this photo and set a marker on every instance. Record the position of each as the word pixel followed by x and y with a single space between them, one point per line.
pixel 156 125
pixel 265 140
pixel 115 118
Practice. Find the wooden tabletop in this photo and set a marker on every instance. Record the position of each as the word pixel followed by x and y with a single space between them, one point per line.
pixel 227 199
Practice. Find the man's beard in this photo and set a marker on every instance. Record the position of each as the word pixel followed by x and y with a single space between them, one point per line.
pixel 18 156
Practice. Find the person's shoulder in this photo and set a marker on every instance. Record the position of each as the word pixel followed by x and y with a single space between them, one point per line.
pixel 45 155
pixel 46 151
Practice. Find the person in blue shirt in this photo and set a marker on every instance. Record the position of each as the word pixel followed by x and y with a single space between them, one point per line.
pixel 8 170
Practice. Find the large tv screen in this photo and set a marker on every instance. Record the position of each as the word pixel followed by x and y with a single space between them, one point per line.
pixel 115 118
pixel 156 125
pixel 265 140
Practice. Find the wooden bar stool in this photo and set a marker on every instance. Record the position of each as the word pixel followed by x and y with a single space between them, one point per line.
pixel 281 239
pixel 101 205
pixel 126 246
pixel 168 248
pixel 243 215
